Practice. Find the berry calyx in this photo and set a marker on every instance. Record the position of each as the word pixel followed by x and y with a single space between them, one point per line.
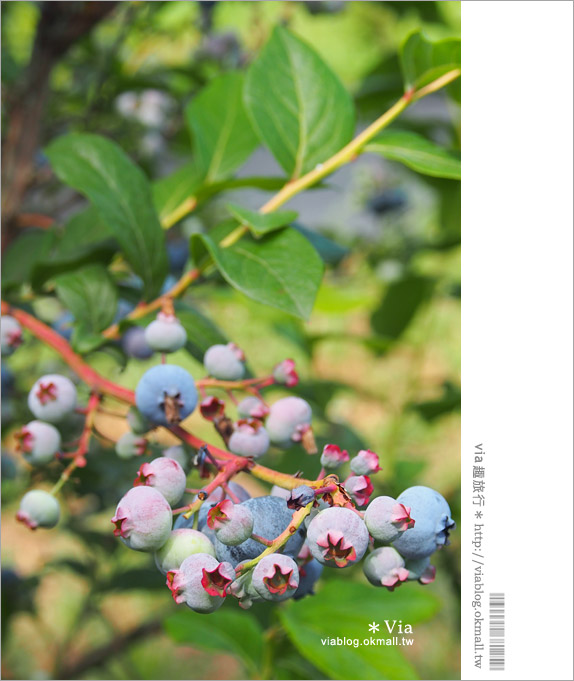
pixel 284 373
pixel 333 456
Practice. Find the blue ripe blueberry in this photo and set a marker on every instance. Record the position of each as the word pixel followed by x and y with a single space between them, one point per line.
pixel 134 343
pixel 337 537
pixel 271 517
pixel 225 362
pixel 165 334
pixel 38 509
pixel 39 442
pixel 143 519
pixel 300 497
pixel 201 582
pixel 252 407
pixel 177 453
pixel 249 438
pixel 137 422
pixel 385 567
pixel 280 492
pixel 275 577
pixel 180 545
pixel 52 398
pixel 421 570
pixel 289 418
pixel 166 394
pixel 130 445
pixel 433 522
pixel 232 523
pixel 10 334
pixel 386 519
pixel 309 574
pixel 165 475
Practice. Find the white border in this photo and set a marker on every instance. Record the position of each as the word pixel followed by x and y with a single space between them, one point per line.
pixel 517 324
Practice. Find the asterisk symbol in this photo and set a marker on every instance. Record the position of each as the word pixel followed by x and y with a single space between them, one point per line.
pixel 478 514
pixel 374 627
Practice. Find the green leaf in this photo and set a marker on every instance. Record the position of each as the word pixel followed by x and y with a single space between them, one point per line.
pixel 298 106
pixel 90 294
pixel 122 195
pixel 401 301
pixel 344 609
pixel 222 134
pixel 171 191
pixel 417 153
pixel 202 333
pixel 259 223
pixel 232 632
pixel 423 60
pixel 282 269
pixel 23 255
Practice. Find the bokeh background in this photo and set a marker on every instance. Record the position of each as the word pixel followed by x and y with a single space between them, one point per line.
pixel 379 359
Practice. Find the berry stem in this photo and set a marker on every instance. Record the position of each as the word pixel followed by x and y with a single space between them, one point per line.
pixel 260 382
pixel 262 540
pixel 298 517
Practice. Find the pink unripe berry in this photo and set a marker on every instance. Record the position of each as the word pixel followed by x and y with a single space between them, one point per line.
pixel 275 577
pixel 165 475
pixel 252 407
pixel 337 537
pixel 38 442
pixel 249 438
pixel 232 523
pixel 386 519
pixel 385 567
pixel 130 445
pixel 143 519
pixel 181 544
pixel 201 582
pixel 225 362
pixel 287 420
pixel 284 373
pixel 365 463
pixel 52 397
pixel 333 456
pixel 360 488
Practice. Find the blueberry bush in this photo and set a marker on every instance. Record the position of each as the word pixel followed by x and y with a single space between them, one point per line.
pixel 258 509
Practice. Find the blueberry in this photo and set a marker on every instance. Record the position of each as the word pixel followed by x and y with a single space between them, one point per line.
pixel 249 438
pixel 333 456
pixel 385 567
pixel 38 442
pixel 201 582
pixel 386 519
pixel 287 419
pixel 309 574
pixel 143 519
pixel 134 343
pixel 166 394
pixel 360 488
pixel 421 570
pixel 365 463
pixel 280 492
pixel 300 497
pixel 252 407
pixel 271 517
pixel 177 453
pixel 275 577
pixel 10 334
pixel 165 334
pixel 433 522
pixel 130 445
pixel 165 475
pixel 232 523
pixel 284 373
pixel 181 544
pixel 38 509
pixel 52 398
pixel 337 537
pixel 225 362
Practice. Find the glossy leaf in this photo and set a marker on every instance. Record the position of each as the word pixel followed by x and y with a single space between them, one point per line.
pixel 344 609
pixel 233 632
pixel 399 305
pixel 100 170
pixel 23 255
pixel 90 295
pixel 222 134
pixel 424 60
pixel 171 191
pixel 298 106
pixel 202 333
pixel 260 223
pixel 416 152
pixel 282 269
